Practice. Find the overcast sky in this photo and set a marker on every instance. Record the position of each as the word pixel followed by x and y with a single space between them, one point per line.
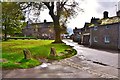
pixel 92 8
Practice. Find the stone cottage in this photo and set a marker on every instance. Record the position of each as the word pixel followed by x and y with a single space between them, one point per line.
pixel 84 33
pixel 43 30
pixel 106 33
pixel 76 35
pixel 102 33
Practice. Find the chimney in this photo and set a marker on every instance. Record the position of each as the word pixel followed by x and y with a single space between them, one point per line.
pixel 94 20
pixel 45 21
pixel 118 13
pixel 105 14
pixel 76 28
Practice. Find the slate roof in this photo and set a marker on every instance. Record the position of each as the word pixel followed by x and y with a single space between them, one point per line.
pixel 110 20
pixel 76 30
pixel 46 24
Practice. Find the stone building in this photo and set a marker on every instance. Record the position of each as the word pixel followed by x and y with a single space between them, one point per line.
pixel 106 33
pixel 43 30
pixel 102 33
pixel 85 34
pixel 76 35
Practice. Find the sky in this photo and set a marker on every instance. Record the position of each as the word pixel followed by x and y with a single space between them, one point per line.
pixel 92 8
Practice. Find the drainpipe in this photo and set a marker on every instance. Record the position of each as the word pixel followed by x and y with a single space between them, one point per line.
pixel 90 37
pixel 118 35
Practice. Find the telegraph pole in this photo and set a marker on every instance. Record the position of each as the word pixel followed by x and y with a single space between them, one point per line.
pixel 116 7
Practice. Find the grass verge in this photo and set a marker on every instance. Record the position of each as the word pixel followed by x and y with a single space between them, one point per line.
pixel 13 57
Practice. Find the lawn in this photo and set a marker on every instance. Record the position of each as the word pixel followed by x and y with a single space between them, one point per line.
pixel 12 52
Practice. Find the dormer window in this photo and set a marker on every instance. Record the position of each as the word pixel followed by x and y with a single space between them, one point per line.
pixel 95 27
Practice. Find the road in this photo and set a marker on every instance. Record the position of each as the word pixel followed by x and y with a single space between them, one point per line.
pixel 102 60
pixel 88 63
pixel 109 58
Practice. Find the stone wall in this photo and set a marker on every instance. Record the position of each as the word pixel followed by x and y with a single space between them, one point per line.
pixel 119 37
pixel 105 30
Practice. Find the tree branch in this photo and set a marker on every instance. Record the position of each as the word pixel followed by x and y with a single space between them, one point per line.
pixel 51 9
pixel 63 3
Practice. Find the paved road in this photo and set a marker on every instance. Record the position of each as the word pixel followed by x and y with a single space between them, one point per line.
pixel 109 58
pixel 77 66
pixel 105 58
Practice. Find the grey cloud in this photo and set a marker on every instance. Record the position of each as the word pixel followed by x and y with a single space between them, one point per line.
pixel 107 6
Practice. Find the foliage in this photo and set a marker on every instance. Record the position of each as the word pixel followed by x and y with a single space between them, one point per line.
pixel 31 7
pixel 15 38
pixel 12 52
pixel 64 10
pixel 11 18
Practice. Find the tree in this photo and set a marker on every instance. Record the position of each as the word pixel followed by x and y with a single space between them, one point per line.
pixel 64 10
pixel 60 12
pixel 11 18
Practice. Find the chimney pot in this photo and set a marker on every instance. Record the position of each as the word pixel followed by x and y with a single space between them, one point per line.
pixel 45 21
pixel 105 14
pixel 118 13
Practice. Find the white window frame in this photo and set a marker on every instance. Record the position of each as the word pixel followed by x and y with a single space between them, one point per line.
pixel 95 27
pixel 107 39
pixel 95 39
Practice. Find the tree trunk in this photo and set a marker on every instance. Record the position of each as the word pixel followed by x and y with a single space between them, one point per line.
pixel 5 37
pixel 57 36
pixel 56 22
pixel 57 31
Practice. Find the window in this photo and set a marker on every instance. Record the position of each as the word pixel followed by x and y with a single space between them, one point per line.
pixel 106 27
pixel 80 32
pixel 107 39
pixel 95 27
pixel 95 39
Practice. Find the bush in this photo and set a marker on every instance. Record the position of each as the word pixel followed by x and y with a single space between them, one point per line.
pixel 15 38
